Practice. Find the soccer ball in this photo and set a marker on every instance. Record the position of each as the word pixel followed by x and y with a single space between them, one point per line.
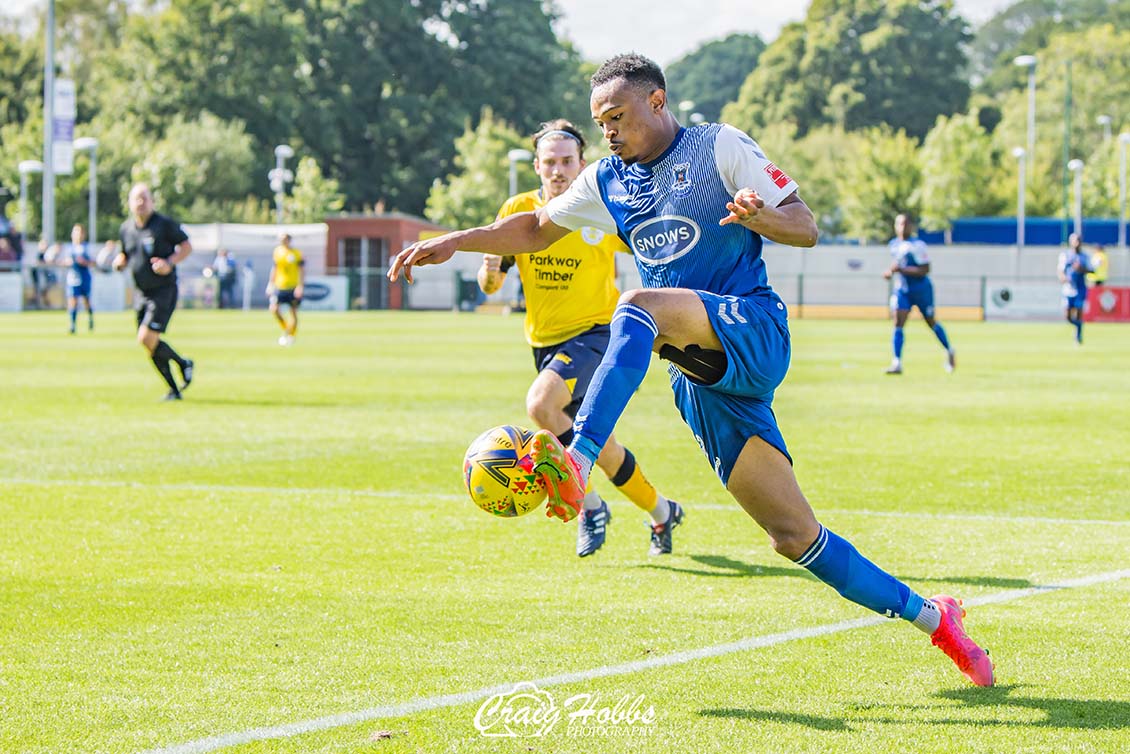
pixel 499 474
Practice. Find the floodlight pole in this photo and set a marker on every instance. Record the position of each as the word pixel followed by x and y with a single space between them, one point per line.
pixel 1123 142
pixel 90 144
pixel 48 222
pixel 1076 167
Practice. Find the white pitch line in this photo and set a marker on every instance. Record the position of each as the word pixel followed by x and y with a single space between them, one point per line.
pixel 424 704
pixel 393 494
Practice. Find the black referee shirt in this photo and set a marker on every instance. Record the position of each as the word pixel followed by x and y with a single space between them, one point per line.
pixel 158 238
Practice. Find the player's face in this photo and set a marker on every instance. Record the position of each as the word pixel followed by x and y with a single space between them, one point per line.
pixel 78 235
pixel 630 118
pixel 141 203
pixel 903 228
pixel 558 164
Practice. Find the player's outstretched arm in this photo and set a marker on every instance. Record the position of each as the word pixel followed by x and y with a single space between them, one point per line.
pixel 521 233
pixel 791 222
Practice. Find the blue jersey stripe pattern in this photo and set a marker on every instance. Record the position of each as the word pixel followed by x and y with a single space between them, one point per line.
pixel 667 212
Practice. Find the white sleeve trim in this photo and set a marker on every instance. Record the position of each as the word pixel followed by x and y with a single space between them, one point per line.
pixel 581 205
pixel 742 164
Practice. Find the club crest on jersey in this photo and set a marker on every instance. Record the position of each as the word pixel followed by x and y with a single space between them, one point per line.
pixel 664 239
pixel 681 185
pixel 592 236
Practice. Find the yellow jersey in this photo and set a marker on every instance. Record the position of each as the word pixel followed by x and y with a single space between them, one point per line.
pixel 570 287
pixel 1099 266
pixel 288 263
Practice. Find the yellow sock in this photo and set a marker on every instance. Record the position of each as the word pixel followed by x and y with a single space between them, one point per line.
pixel 631 481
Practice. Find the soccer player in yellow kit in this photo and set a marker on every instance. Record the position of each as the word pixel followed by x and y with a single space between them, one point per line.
pixel 284 286
pixel 570 296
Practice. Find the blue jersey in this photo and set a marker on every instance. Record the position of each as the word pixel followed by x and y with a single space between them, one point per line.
pixel 1075 284
pixel 78 276
pixel 667 210
pixel 910 253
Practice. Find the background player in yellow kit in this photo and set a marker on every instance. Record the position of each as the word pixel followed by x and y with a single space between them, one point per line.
pixel 285 286
pixel 571 293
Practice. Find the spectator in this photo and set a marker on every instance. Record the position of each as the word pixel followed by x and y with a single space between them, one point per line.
pixel 225 268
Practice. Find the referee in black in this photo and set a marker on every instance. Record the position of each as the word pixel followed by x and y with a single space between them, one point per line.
pixel 152 246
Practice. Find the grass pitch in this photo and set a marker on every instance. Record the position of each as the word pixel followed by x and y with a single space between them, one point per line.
pixel 286 562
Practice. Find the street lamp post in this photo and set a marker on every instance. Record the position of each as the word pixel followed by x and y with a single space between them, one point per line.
pixel 1029 62
pixel 1104 121
pixel 27 167
pixel 89 143
pixel 1019 153
pixel 1076 167
pixel 514 156
pixel 279 178
pixel 1123 142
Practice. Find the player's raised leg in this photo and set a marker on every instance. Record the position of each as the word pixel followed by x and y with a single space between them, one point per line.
pixel 763 483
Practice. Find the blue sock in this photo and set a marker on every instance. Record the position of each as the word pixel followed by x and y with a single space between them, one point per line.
pixel 620 372
pixel 73 313
pixel 1078 322
pixel 834 560
pixel 941 333
pixel 899 339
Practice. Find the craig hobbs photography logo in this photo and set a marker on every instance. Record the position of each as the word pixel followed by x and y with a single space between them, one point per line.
pixel 529 712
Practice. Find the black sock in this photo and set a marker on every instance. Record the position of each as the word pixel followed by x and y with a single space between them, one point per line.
pixel 166 352
pixel 162 364
pixel 566 437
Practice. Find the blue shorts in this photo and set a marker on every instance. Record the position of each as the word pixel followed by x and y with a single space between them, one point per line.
pixel 285 296
pixel 575 361
pixel 1075 302
pixel 922 297
pixel 78 285
pixel 754 331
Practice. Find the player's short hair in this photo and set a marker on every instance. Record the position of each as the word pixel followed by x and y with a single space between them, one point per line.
pixel 559 129
pixel 637 70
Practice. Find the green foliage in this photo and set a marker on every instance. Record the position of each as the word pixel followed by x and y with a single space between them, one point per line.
pixel 878 182
pixel 473 194
pixel 860 63
pixel 958 168
pixel 198 167
pixel 712 75
pixel 1100 84
pixel 815 161
pixel 314 196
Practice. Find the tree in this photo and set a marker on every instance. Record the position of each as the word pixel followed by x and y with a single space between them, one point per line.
pixel 199 169
pixel 958 167
pixel 879 182
pixel 1100 84
pixel 314 196
pixel 712 75
pixel 860 63
pixel 473 194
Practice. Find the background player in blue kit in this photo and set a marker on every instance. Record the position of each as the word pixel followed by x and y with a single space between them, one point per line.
pixel 694 204
pixel 912 265
pixel 79 279
pixel 1072 268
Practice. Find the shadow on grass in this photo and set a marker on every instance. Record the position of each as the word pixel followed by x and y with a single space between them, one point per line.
pixel 282 400
pixel 1085 714
pixel 728 567
pixel 1092 714
pixel 995 581
pixel 793 718
pixel 1060 713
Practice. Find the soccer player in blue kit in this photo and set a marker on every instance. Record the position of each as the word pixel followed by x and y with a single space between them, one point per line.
pixel 1072 267
pixel 693 205
pixel 912 265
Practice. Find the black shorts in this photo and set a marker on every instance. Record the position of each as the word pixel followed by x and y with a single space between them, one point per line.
pixel 285 296
pixel 576 361
pixel 155 308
